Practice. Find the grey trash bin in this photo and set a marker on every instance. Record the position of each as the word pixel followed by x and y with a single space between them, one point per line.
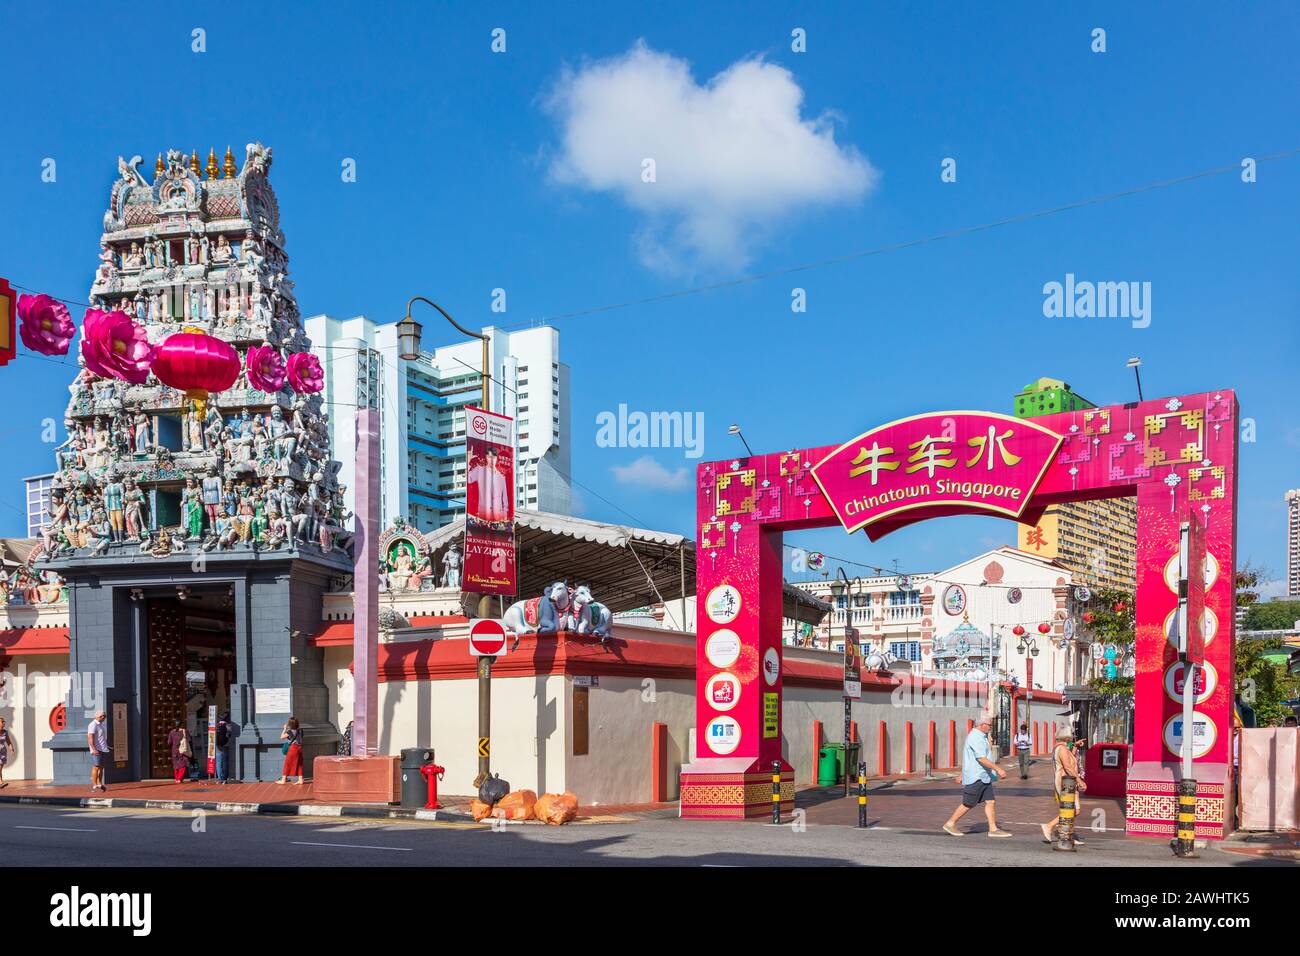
pixel 414 788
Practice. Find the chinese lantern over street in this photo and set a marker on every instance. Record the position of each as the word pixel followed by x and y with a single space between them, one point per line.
pixel 1018 631
pixel 197 364
pixel 1044 628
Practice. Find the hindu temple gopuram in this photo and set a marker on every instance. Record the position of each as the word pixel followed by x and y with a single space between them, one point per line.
pixel 196 514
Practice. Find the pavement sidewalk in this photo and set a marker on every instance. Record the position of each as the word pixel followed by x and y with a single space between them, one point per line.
pixel 271 798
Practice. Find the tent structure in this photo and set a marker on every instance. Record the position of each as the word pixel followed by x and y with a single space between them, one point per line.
pixel 625 567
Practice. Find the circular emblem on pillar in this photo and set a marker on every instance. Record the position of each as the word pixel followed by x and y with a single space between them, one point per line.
pixel 1211 571
pixel 723 604
pixel 1209 626
pixel 771 666
pixel 1203 735
pixel 722 648
pixel 722 690
pixel 1207 679
pixel 58 717
pixel 722 735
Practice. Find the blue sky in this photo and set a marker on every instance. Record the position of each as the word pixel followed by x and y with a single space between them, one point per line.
pixel 462 188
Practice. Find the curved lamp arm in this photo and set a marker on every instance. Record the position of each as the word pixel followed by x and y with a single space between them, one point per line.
pixel 460 328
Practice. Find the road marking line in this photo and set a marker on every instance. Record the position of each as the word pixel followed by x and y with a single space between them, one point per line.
pixel 64 829
pixel 354 846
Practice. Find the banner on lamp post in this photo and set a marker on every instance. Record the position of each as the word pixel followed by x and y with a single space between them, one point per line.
pixel 489 503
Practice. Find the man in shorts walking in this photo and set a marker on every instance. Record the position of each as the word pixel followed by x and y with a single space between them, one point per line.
pixel 977 773
pixel 97 739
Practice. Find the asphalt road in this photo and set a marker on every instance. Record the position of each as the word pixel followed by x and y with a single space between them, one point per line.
pixel 46 836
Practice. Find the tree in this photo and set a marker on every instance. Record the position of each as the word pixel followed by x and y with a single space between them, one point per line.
pixel 1263 685
pixel 1272 616
pixel 1110 617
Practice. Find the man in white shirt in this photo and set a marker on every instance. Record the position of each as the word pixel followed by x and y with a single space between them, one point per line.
pixel 1023 745
pixel 97 739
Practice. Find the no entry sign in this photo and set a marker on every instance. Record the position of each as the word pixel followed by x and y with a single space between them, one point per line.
pixel 487 637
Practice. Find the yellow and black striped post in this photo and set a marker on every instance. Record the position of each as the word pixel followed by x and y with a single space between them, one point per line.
pixel 776 792
pixel 1065 810
pixel 1184 841
pixel 862 795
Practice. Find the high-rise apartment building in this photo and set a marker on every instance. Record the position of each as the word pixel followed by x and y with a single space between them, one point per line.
pixel 1095 539
pixel 422 413
pixel 37 490
pixel 1293 543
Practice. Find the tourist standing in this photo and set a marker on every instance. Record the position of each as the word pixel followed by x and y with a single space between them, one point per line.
pixel 977 773
pixel 1023 744
pixel 224 738
pixel 1065 763
pixel 97 739
pixel 178 740
pixel 292 737
pixel 6 744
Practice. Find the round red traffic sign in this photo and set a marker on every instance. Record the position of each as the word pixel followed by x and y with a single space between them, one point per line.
pixel 487 637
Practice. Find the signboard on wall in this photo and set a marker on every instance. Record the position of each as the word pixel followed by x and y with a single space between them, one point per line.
pixel 272 700
pixel 489 503
pixel 120 738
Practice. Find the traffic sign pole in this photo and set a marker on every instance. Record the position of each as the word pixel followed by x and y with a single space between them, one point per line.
pixel 484 720
pixel 487 639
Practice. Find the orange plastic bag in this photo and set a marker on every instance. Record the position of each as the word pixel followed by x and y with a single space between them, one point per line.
pixel 517 805
pixel 556 808
pixel 479 809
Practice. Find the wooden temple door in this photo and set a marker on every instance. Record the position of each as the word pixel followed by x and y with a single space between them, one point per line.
pixel 166 682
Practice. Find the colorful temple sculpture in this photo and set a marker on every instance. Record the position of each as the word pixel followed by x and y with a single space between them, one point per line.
pixel 196 514
pixel 167 471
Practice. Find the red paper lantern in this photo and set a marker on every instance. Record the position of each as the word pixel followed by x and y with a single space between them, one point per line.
pixel 197 364
pixel 1088 617
pixel 1018 631
pixel 1044 628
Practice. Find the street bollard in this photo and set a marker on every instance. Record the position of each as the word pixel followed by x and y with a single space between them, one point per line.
pixel 1065 815
pixel 862 795
pixel 1184 841
pixel 776 792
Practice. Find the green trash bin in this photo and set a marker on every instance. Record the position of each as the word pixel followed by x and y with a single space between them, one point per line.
pixel 827 766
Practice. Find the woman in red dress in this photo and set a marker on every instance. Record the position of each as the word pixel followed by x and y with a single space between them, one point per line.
pixel 292 734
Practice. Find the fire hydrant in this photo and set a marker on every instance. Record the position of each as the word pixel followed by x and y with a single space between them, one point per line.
pixel 432 773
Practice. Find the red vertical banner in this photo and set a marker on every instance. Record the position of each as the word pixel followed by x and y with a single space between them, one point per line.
pixel 489 503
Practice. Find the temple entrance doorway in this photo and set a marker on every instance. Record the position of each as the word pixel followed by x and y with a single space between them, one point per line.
pixel 191 667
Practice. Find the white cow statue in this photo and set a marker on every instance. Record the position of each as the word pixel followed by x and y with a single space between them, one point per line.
pixel 540 615
pixel 590 616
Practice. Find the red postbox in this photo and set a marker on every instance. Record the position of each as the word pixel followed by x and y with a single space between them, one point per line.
pixel 1106 767
pixel 432 773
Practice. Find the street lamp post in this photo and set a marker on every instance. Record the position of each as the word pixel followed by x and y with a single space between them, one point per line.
pixel 485 600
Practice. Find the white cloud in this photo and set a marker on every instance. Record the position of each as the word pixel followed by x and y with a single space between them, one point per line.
pixel 646 472
pixel 733 156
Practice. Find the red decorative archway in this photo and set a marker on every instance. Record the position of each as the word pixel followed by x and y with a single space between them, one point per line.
pixel 1176 455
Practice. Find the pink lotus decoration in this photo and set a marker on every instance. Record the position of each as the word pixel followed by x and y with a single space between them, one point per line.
pixel 266 370
pixel 115 347
pixel 305 373
pixel 46 325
